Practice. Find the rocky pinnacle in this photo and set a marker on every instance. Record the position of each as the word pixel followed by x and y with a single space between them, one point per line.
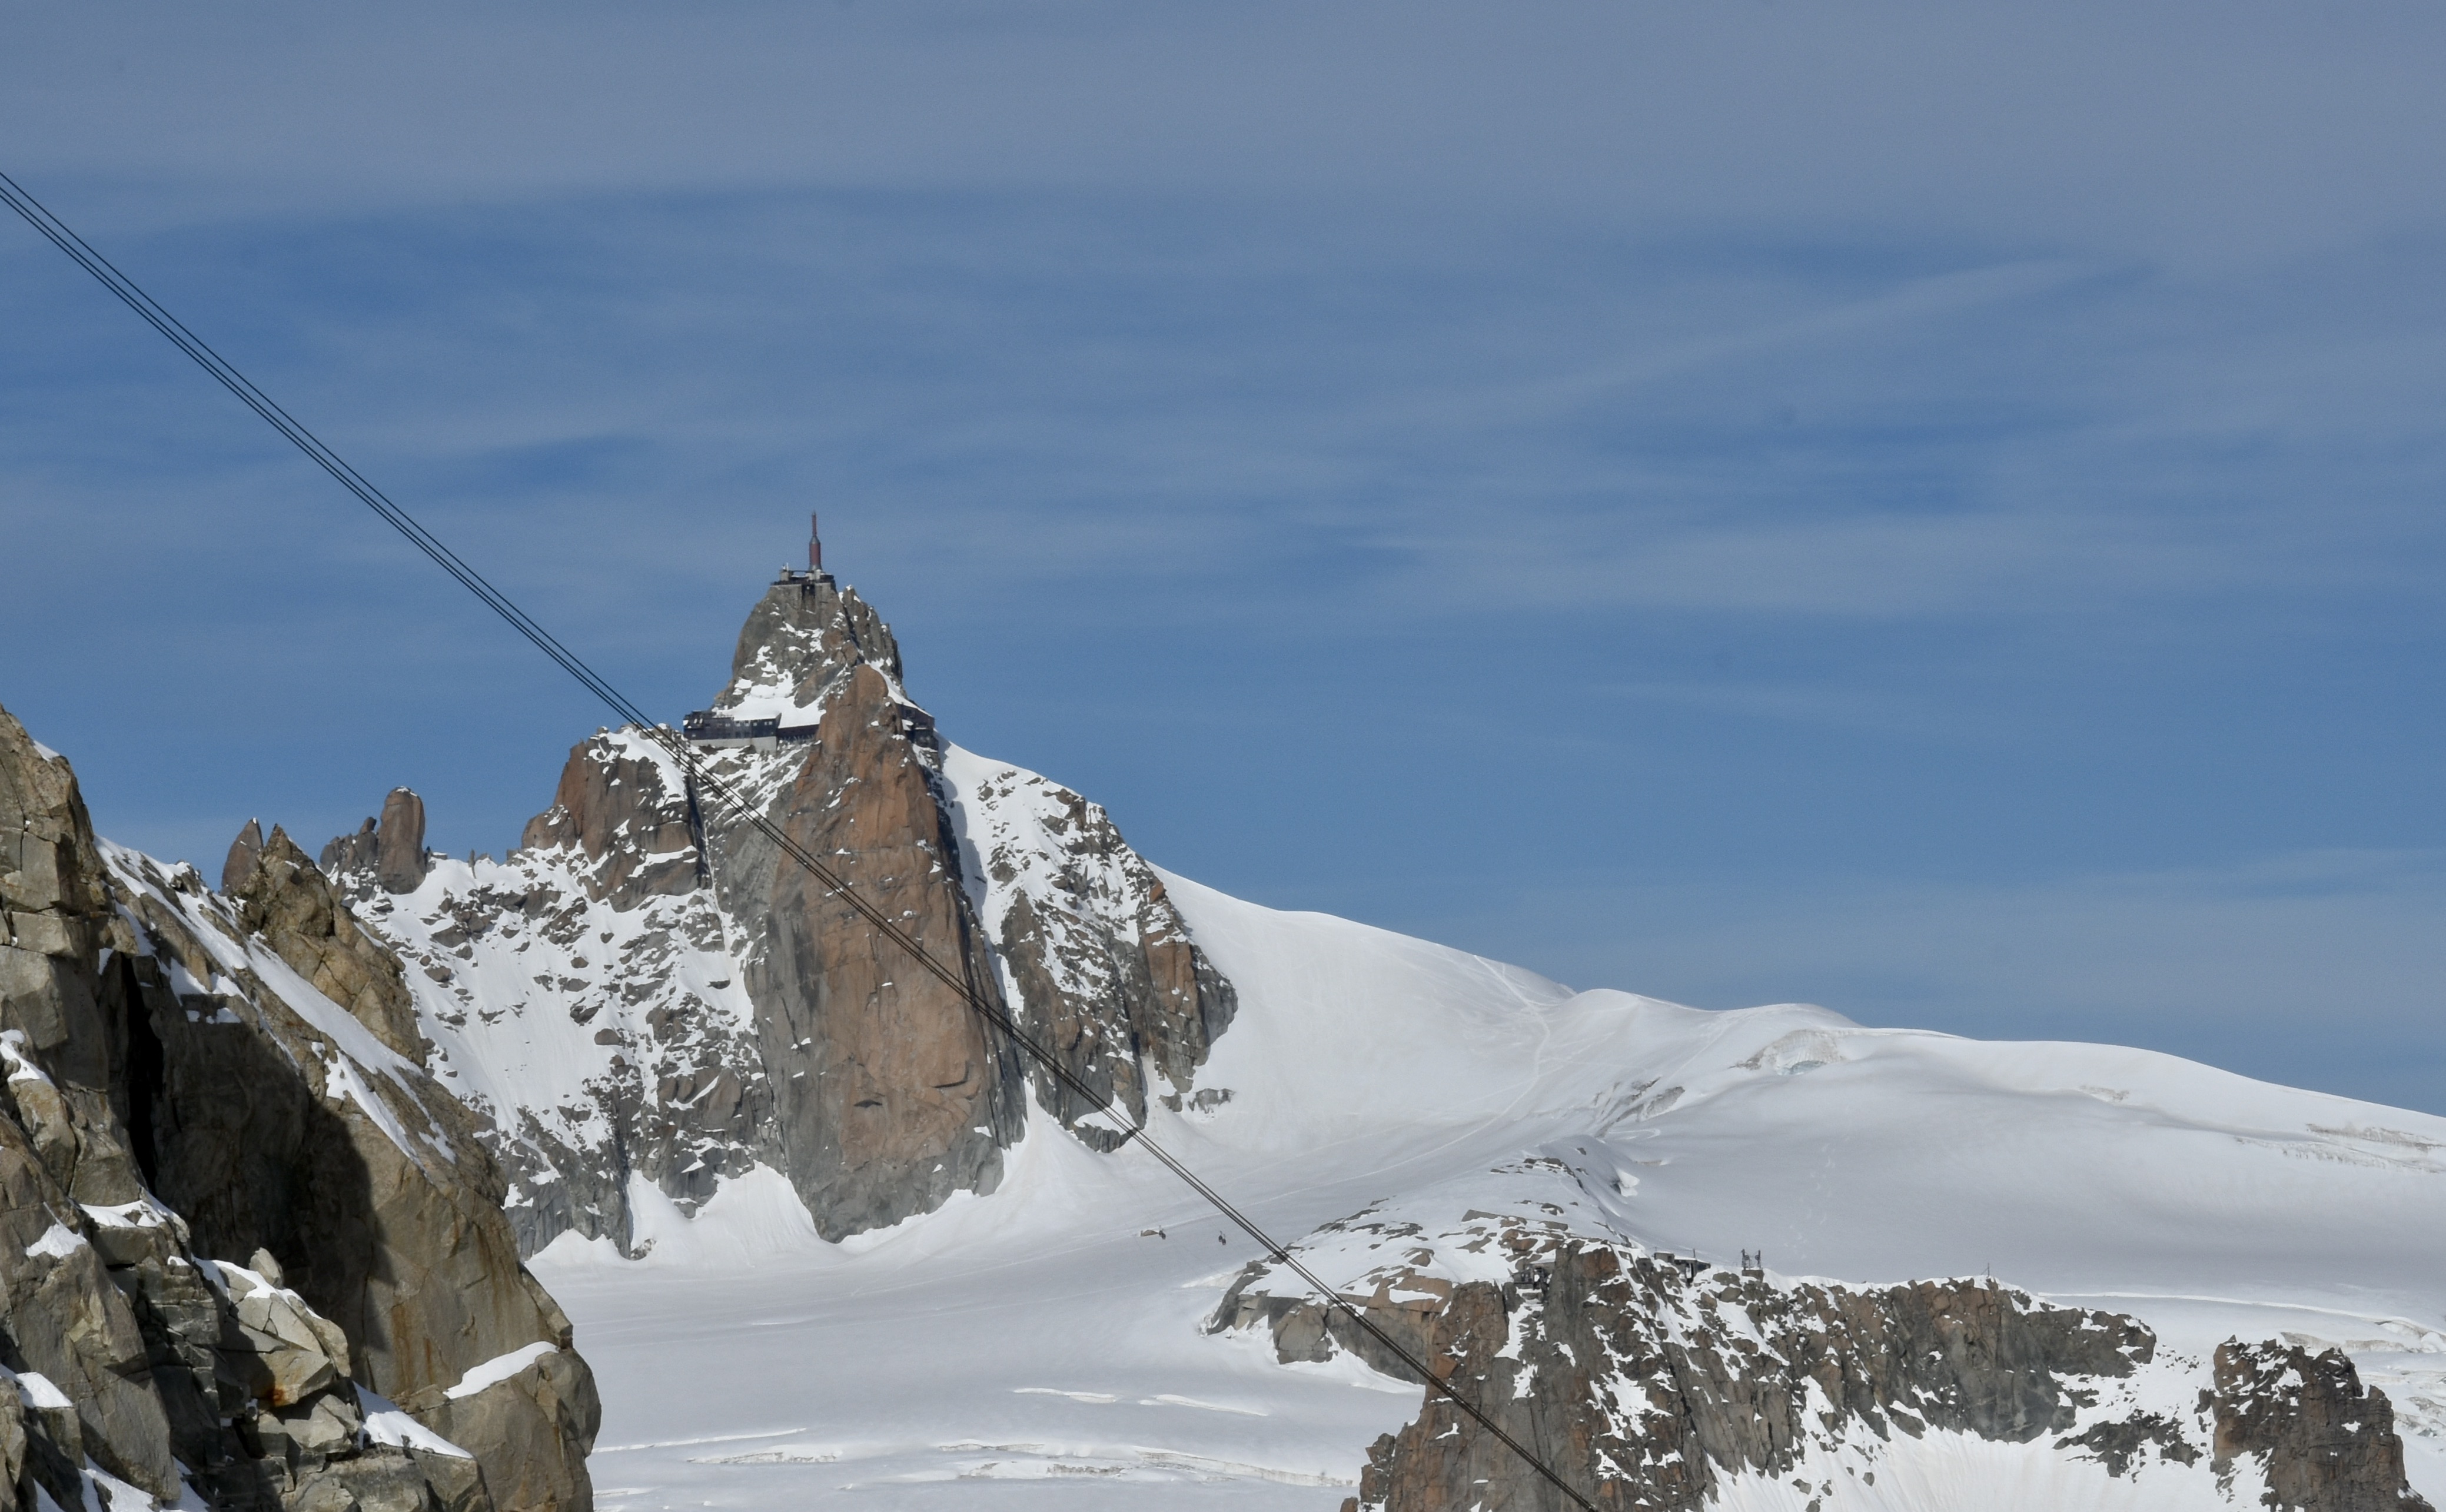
pixel 717 1010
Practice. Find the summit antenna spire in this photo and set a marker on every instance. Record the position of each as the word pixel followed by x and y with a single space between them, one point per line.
pixel 815 543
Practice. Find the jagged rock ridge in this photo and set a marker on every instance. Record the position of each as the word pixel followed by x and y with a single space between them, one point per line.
pixel 233 1205
pixel 1655 1382
pixel 645 997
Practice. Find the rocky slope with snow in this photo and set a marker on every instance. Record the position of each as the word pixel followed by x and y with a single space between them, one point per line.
pixel 2227 1292
pixel 645 1000
pixel 1649 1380
pixel 235 1206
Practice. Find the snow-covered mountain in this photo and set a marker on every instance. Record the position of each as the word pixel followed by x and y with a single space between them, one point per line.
pixel 645 1002
pixel 830 1242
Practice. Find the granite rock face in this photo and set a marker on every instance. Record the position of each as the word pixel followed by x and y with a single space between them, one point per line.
pixel 892 1093
pixel 636 836
pixel 2305 1422
pixel 287 902
pixel 181 1094
pixel 590 1011
pixel 648 996
pixel 391 848
pixel 398 860
pixel 802 638
pixel 243 853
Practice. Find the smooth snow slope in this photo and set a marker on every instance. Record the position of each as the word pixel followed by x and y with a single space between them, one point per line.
pixel 1033 1348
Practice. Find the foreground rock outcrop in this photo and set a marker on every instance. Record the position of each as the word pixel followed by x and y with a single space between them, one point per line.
pixel 235 1206
pixel 646 1000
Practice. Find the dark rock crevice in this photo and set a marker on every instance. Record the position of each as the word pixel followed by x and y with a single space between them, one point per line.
pixel 147 1077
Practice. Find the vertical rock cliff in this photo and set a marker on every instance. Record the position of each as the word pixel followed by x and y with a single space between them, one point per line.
pixel 646 1000
pixel 243 1206
pixel 889 1091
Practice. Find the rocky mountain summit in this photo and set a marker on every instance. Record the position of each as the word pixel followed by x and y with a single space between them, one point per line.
pixel 646 1001
pixel 250 1251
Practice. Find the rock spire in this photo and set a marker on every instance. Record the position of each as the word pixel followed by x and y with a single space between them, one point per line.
pixel 722 1013
pixel 391 848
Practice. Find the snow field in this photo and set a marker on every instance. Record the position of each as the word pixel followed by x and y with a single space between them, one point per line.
pixel 1032 1344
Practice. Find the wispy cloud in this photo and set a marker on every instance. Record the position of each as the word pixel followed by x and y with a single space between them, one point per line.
pixel 1916 302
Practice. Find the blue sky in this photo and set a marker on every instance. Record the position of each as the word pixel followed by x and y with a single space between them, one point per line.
pixel 1922 509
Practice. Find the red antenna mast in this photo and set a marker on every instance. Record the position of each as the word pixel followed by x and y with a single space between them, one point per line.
pixel 815 545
